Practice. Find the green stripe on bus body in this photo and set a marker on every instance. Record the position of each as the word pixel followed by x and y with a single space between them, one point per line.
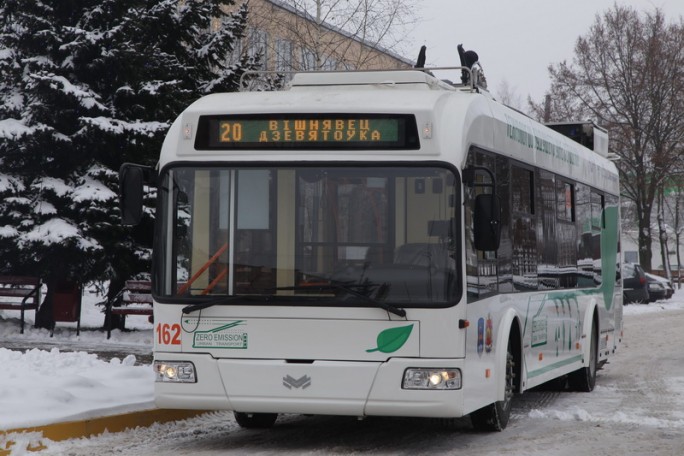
pixel 553 366
pixel 609 245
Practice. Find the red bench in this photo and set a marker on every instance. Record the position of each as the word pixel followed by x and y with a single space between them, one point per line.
pixel 66 304
pixel 135 298
pixel 20 293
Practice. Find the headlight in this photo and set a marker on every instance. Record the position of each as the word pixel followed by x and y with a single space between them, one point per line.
pixel 174 371
pixel 434 379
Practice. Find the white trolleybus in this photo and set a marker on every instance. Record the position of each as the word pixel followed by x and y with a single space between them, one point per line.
pixel 377 243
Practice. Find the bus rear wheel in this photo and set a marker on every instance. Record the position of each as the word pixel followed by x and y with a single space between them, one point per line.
pixel 494 417
pixel 584 379
pixel 255 420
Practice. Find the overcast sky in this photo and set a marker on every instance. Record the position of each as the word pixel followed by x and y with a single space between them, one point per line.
pixel 516 40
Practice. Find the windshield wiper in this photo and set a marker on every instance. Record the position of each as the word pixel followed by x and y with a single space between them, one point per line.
pixel 215 302
pixel 332 285
pixel 348 289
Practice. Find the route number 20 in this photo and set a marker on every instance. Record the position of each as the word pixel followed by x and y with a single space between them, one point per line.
pixel 168 334
pixel 231 132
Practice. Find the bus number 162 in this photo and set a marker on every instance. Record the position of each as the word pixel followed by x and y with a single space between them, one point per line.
pixel 168 334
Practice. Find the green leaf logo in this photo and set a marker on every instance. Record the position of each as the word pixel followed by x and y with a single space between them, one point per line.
pixel 391 340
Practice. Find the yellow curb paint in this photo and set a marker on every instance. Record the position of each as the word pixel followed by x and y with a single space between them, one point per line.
pixel 94 426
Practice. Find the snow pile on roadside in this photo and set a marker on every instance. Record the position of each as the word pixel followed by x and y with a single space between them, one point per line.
pixel 41 387
pixel 49 385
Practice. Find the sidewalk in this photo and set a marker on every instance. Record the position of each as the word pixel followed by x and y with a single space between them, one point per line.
pixel 69 386
pixel 38 437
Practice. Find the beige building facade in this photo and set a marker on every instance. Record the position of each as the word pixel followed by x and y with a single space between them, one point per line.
pixel 289 39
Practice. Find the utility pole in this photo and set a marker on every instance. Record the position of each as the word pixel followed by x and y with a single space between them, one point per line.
pixel 547 108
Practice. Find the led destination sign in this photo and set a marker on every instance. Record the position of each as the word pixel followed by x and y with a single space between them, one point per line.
pixel 309 130
pixel 317 131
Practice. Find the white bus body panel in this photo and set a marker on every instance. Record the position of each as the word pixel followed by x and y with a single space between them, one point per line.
pixel 292 338
pixel 298 333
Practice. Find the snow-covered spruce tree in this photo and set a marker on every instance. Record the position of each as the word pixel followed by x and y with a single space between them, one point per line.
pixel 87 85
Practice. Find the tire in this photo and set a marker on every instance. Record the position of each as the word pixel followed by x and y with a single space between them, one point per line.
pixel 494 417
pixel 255 420
pixel 584 379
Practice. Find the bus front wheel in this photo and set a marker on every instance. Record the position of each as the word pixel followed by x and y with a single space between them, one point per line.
pixel 494 417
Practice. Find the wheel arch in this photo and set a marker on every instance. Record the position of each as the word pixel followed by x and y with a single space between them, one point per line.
pixel 510 328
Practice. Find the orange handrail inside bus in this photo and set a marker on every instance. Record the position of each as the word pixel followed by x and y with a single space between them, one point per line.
pixel 201 270
pixel 214 282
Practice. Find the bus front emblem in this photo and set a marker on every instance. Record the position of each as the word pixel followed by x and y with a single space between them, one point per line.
pixel 302 382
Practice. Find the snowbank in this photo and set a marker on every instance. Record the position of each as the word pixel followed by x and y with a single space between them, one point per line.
pixel 47 385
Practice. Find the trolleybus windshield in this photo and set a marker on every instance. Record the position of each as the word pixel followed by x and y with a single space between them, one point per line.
pixel 325 234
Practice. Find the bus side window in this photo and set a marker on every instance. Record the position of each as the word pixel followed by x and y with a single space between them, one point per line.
pixel 481 260
pixel 524 229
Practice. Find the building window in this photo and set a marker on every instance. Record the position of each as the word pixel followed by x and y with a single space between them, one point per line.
pixel 329 64
pixel 283 55
pixel 236 54
pixel 257 46
pixel 308 62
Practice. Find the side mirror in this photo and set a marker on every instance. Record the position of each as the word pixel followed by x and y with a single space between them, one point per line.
pixel 131 181
pixel 487 222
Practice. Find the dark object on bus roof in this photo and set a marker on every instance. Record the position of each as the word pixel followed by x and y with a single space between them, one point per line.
pixel 586 133
pixel 468 59
pixel 420 63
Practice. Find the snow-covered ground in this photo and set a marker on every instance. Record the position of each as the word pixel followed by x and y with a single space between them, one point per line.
pixel 52 379
pixel 637 407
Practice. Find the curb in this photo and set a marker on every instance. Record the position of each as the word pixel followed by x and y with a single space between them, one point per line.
pixel 89 427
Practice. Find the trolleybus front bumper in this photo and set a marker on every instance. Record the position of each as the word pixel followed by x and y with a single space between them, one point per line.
pixel 319 387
